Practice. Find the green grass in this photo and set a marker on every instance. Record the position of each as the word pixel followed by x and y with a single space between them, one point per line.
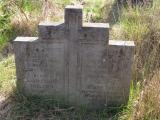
pixel 94 10
pixel 33 108
pixel 132 22
pixel 5 29
pixel 7 75
pixel 126 113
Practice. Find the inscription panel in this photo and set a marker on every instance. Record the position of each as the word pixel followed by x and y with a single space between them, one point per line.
pixel 44 66
pixel 93 73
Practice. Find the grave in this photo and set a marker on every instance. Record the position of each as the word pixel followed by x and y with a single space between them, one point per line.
pixel 76 62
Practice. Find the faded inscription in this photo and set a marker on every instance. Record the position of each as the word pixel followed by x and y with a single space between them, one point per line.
pixel 44 68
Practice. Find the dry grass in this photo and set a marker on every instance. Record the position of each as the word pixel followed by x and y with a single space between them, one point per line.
pixel 142 25
pixel 25 22
pixel 148 104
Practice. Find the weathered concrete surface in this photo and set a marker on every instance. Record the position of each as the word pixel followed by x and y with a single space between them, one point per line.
pixel 119 61
pixel 75 62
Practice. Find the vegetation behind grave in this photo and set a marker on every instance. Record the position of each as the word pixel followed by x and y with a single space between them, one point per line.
pixel 138 22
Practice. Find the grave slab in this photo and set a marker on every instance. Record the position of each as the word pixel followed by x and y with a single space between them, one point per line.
pixel 75 61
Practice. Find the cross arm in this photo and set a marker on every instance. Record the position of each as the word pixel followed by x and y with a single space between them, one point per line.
pixel 95 32
pixel 49 30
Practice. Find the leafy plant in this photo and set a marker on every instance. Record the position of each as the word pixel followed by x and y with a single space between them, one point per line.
pixel 5 24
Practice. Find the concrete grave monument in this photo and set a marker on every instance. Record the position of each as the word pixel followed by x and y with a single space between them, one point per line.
pixel 76 62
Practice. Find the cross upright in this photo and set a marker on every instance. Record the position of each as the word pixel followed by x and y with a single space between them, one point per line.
pixel 73 28
pixel 75 61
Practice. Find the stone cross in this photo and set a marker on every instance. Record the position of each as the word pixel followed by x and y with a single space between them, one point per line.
pixel 75 62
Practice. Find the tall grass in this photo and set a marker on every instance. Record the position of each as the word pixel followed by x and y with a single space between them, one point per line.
pixel 148 104
pixel 126 113
pixel 142 25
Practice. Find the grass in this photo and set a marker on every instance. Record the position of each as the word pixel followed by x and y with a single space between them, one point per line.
pixel 141 25
pixel 148 104
pixel 38 108
pixel 7 75
pixel 126 113
pixel 144 105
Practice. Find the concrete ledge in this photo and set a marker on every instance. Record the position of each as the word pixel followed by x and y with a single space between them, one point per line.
pixel 96 25
pixel 74 7
pixel 53 24
pixel 26 39
pixel 121 43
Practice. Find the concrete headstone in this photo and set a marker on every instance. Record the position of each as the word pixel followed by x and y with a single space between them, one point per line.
pixel 76 62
